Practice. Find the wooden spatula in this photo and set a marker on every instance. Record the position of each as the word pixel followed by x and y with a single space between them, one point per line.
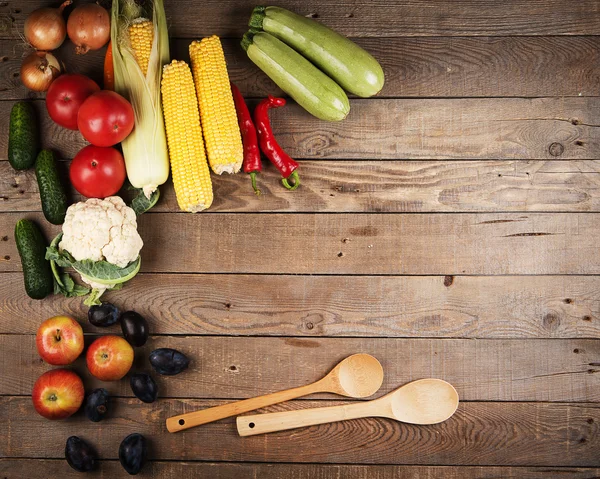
pixel 426 401
pixel 357 376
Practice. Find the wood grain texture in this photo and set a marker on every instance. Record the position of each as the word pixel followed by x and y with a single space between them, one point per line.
pixel 387 129
pixel 414 67
pixel 415 18
pixel 375 306
pixel 240 368
pixel 472 244
pixel 110 468
pixel 375 186
pixel 489 112
pixel 508 434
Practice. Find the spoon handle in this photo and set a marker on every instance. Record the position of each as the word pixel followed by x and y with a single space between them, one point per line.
pixel 281 421
pixel 204 416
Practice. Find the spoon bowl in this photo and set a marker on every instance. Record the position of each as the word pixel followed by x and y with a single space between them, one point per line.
pixel 426 401
pixel 357 376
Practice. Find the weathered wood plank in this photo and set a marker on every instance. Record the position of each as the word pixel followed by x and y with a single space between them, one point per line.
pixel 375 306
pixel 374 186
pixel 415 18
pixel 481 370
pixel 508 434
pixel 482 128
pixel 414 67
pixel 423 244
pixel 45 468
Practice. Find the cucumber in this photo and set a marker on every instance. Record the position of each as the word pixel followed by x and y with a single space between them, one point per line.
pixel 37 274
pixel 310 87
pixel 343 60
pixel 23 140
pixel 52 193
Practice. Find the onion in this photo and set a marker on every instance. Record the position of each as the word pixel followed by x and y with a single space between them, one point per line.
pixel 38 70
pixel 45 28
pixel 88 27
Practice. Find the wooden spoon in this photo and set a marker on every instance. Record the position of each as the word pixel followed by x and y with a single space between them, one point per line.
pixel 357 376
pixel 426 401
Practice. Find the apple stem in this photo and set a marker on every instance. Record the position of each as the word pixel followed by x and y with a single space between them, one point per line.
pixel 57 337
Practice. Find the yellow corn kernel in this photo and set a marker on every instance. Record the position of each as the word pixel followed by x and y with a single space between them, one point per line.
pixel 217 110
pixel 189 168
pixel 141 35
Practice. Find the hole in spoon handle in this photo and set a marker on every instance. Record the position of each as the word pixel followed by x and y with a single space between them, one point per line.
pixel 257 424
pixel 247 425
pixel 177 423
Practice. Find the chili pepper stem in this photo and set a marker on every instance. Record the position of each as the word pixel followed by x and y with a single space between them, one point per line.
pixel 295 181
pixel 253 179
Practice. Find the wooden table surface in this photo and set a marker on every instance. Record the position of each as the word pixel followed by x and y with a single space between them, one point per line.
pixel 449 226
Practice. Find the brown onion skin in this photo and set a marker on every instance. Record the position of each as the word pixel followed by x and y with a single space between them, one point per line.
pixel 45 28
pixel 88 27
pixel 39 70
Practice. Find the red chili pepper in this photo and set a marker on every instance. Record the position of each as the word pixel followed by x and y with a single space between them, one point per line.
pixel 269 146
pixel 109 69
pixel 252 163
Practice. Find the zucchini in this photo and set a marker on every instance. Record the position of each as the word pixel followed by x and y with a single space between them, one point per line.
pixel 37 274
pixel 52 193
pixel 23 141
pixel 349 65
pixel 310 87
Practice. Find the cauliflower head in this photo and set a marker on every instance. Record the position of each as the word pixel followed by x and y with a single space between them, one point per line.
pixel 102 230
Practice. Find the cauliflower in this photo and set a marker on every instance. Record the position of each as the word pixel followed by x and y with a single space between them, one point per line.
pixel 102 230
pixel 99 241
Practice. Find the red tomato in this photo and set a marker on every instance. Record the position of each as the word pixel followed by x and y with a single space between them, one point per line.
pixel 97 172
pixel 105 118
pixel 65 95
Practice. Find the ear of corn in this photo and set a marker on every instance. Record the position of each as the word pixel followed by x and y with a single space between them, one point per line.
pixel 145 149
pixel 189 169
pixel 141 34
pixel 219 121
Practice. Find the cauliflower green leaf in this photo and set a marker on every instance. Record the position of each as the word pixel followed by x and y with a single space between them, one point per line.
pixel 140 204
pixel 106 273
pixel 101 273
pixel 64 284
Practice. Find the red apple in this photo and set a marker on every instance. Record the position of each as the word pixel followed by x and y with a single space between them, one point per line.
pixel 109 358
pixel 57 394
pixel 59 340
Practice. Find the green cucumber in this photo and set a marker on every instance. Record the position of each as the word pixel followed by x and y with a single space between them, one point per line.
pixel 343 60
pixel 23 140
pixel 52 193
pixel 37 274
pixel 310 87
